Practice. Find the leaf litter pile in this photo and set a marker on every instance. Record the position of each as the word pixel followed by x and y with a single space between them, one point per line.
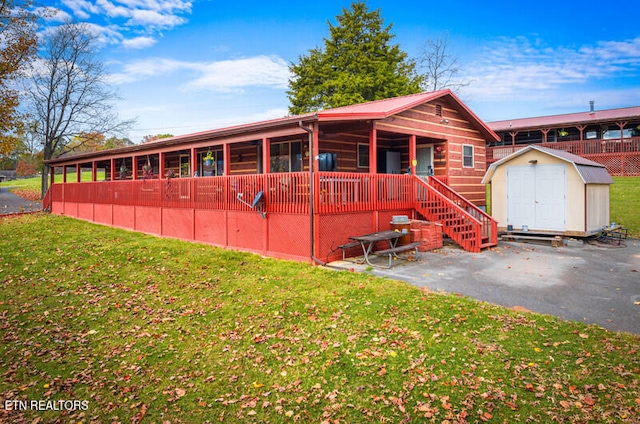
pixel 157 330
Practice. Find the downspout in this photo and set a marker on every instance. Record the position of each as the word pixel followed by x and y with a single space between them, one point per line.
pixel 312 223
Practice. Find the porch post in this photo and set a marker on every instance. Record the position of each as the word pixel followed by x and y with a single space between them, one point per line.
pixel 78 173
pixel 373 150
pixel 545 135
pixel 373 169
pixel 622 125
pixel 161 165
pixel 194 162
pixel 314 185
pixel 316 146
pixel 94 171
pixel 227 158
pixel 112 170
pixel 266 155
pixel 134 165
pixel 52 176
pixel 413 157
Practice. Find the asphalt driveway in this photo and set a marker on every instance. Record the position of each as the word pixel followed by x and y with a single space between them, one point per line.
pixel 594 284
pixel 10 203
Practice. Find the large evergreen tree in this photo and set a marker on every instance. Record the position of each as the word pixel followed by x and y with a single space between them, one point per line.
pixel 357 64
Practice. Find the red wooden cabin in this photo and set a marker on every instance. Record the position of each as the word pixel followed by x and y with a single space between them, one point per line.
pixel 295 187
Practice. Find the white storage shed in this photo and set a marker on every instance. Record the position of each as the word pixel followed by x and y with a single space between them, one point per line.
pixel 549 191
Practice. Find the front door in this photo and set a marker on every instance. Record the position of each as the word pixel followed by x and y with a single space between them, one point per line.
pixel 424 156
pixel 536 197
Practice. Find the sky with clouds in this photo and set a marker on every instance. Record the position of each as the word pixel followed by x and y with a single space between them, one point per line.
pixel 182 66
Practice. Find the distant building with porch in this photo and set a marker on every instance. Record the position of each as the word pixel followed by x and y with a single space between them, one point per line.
pixel 295 187
pixel 610 137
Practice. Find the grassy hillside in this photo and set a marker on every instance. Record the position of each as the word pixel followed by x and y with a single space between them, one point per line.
pixel 134 327
pixel 625 203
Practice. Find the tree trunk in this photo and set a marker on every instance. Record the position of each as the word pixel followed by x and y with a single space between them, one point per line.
pixel 44 185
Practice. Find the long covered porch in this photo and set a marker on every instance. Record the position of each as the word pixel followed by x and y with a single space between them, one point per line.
pixel 294 216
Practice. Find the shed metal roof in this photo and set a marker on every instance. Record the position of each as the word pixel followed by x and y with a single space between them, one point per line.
pixel 597 116
pixel 590 172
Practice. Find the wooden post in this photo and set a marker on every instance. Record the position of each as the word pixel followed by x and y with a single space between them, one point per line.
pixel 373 169
pixel 134 170
pixel 545 135
pixel 78 173
pixel 194 163
pixel 161 165
pixel 513 137
pixel 373 150
pixel 227 158
pixel 266 155
pixel 413 159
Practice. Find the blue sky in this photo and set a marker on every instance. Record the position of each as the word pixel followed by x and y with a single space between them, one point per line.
pixel 184 66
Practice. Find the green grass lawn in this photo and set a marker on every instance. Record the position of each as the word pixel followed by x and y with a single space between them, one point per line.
pixel 624 201
pixel 169 331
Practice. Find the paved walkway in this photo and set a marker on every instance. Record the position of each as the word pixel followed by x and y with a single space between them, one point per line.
pixel 593 284
pixel 10 203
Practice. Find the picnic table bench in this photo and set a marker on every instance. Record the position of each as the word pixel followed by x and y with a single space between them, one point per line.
pixel 393 251
pixel 369 241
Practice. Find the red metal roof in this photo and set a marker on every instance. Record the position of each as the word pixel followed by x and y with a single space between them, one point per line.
pixel 378 109
pixel 567 119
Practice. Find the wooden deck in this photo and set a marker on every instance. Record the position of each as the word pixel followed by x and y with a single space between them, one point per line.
pixel 336 205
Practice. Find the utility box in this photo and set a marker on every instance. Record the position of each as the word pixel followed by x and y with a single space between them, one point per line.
pixel 402 224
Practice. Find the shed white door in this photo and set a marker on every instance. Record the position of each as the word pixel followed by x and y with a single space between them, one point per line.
pixel 536 197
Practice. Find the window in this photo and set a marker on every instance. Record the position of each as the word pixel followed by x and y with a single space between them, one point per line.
pixel 286 157
pixel 467 156
pixel 438 110
pixel 363 155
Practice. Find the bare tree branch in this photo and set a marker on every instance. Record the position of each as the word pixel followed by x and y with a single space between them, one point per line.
pixel 69 94
pixel 438 67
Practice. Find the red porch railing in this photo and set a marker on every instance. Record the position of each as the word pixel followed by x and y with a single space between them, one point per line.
pixel 290 193
pixel 489 225
pixel 46 200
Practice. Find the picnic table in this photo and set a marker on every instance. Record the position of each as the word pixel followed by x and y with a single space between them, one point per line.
pixel 369 241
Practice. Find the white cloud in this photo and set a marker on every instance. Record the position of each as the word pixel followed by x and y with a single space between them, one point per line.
pixel 154 19
pixel 234 74
pixel 139 42
pixel 222 76
pixel 522 68
pixel 82 9
pixel 146 16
